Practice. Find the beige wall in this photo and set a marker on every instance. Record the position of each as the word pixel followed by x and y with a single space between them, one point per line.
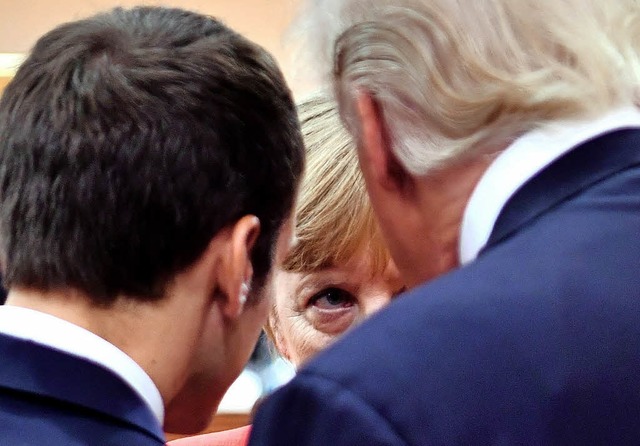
pixel 263 21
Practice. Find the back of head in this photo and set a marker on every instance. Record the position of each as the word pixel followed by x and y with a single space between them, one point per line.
pixel 128 140
pixel 452 76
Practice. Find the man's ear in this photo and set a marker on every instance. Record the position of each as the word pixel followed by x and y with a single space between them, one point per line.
pixel 235 279
pixel 374 148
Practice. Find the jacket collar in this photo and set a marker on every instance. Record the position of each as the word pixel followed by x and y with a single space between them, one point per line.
pixel 577 170
pixel 36 369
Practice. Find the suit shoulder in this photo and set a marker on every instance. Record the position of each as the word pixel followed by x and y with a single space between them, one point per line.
pixel 341 416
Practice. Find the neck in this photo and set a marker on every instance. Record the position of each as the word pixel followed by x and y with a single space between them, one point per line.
pixel 145 331
pixel 441 198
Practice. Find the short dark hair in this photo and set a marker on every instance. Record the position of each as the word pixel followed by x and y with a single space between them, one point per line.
pixel 128 140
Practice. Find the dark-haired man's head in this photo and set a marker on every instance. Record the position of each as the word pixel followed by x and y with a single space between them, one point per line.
pixel 146 156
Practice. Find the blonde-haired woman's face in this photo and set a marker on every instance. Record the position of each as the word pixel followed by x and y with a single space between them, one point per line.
pixel 314 309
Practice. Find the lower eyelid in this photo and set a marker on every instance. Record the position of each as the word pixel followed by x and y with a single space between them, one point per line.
pixel 333 312
pixel 332 308
pixel 332 321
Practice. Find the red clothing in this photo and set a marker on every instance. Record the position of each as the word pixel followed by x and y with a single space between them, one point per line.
pixel 232 437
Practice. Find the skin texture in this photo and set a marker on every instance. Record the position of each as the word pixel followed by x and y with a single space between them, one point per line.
pixel 424 242
pixel 193 357
pixel 316 308
pixel 225 345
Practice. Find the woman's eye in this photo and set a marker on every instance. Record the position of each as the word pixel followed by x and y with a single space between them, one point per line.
pixel 332 299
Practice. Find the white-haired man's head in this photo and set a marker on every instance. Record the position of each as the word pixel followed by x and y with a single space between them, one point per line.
pixel 433 90
pixel 451 77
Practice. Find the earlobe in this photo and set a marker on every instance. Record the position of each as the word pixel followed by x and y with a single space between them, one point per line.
pixel 238 269
pixel 244 295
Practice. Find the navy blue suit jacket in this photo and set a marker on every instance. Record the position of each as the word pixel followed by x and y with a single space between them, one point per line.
pixel 51 398
pixel 537 342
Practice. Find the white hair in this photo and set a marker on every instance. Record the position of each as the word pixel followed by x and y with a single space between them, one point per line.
pixel 453 77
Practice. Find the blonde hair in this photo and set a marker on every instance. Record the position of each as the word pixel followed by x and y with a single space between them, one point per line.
pixel 334 219
pixel 452 77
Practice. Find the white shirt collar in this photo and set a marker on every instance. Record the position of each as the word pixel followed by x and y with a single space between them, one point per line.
pixel 62 335
pixel 520 162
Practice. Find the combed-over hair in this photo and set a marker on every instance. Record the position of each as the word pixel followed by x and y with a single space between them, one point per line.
pixel 128 140
pixel 453 77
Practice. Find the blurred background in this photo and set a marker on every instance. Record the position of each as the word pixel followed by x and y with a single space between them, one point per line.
pixel 23 21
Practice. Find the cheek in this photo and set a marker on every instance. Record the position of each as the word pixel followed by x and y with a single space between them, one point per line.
pixel 297 339
pixel 312 331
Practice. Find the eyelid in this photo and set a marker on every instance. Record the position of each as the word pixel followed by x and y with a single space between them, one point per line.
pixel 325 291
pixel 313 283
pixel 332 319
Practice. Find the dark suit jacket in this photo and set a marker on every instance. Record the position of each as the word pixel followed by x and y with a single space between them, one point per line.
pixel 48 397
pixel 537 342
